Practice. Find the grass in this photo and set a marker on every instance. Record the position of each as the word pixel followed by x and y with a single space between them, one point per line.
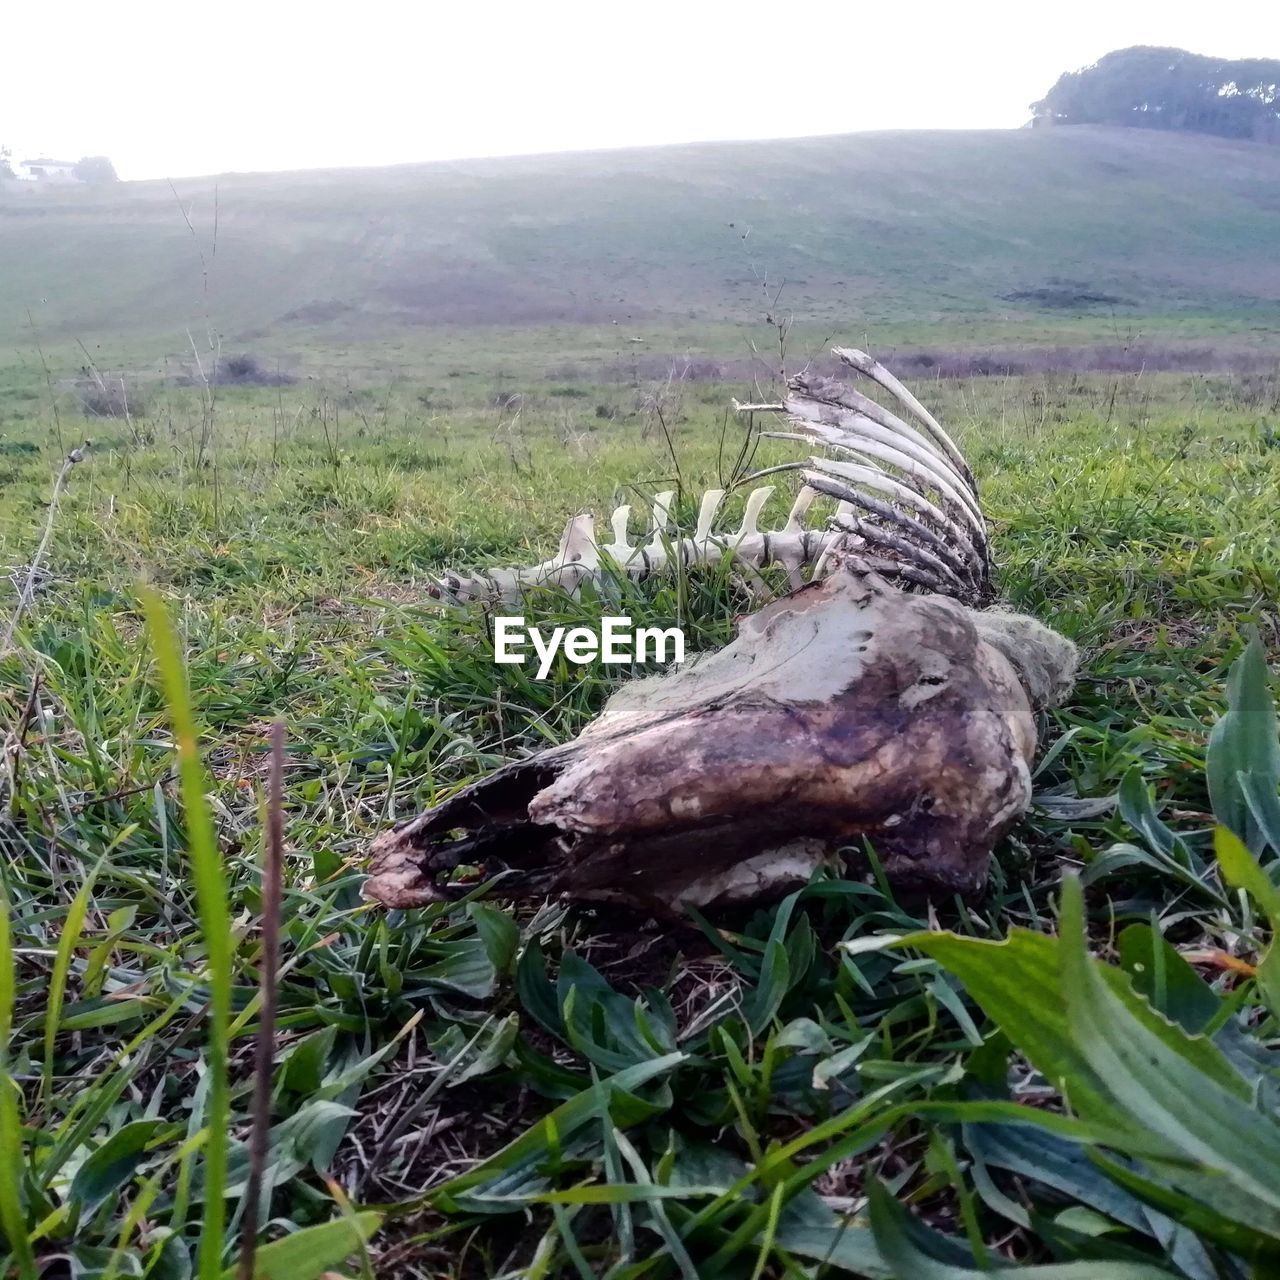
pixel 825 1087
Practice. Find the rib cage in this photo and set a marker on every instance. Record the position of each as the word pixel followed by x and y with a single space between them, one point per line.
pixel 907 505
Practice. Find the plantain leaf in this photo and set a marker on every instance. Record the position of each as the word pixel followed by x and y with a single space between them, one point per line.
pixel 1244 744
pixel 1172 1100
pixel 499 933
pixel 307 1138
pixel 776 974
pixel 113 1163
pixel 1264 804
pixel 1221 1147
pixel 1019 984
pixel 1171 985
pixel 537 995
pixel 1056 1162
pixel 466 971
pixel 309 1253
pixel 1240 869
pixel 97 1262
pixel 916 1252
pixel 1139 812
pixel 302 1071
pixel 808 1228
pixel 538 1142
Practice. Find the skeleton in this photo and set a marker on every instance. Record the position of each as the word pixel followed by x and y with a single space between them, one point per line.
pixel 886 507
pixel 881 702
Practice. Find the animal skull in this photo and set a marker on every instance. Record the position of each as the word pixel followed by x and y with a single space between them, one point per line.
pixel 846 711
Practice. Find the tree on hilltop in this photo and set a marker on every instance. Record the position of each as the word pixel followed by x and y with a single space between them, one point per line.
pixel 1156 88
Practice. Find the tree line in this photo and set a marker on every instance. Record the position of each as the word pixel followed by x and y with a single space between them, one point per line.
pixel 1155 88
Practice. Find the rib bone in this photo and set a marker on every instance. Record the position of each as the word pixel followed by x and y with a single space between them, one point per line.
pixel 878 374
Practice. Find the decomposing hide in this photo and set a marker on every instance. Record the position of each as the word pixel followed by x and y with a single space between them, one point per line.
pixel 846 711
pixel 873 705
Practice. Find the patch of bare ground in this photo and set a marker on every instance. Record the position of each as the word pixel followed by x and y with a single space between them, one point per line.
pixel 959 362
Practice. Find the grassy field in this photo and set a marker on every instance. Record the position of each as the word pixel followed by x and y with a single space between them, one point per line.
pixel 1026 236
pixel 487 1089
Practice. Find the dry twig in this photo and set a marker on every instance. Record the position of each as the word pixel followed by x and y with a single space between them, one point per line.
pixel 27 590
pixel 272 878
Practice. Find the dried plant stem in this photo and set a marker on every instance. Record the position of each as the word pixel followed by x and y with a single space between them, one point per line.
pixel 28 588
pixel 272 880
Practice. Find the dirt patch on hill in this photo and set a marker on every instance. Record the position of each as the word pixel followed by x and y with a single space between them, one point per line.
pixel 948 362
pixel 1066 295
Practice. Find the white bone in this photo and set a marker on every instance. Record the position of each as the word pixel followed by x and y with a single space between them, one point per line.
pixel 882 426
pixel 853 430
pixel 821 402
pixel 661 520
pixel 739 407
pixel 662 510
pixel 711 501
pixel 620 550
pixel 621 518
pixel 578 542
pixel 751 516
pixel 864 478
pixel 799 509
pixel 881 376
pixel 866 453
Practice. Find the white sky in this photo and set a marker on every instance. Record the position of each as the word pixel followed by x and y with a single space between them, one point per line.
pixel 168 89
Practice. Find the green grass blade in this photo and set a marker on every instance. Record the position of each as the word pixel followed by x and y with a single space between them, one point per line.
pixel 12 1158
pixel 215 924
pixel 71 930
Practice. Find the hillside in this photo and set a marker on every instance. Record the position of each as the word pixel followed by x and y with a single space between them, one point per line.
pixel 1001 230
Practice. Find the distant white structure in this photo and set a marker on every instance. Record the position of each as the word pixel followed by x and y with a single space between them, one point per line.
pixel 43 169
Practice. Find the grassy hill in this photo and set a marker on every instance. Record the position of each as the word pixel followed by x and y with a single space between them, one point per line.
pixel 1012 234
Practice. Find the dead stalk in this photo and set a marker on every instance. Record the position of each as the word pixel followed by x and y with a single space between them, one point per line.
pixel 27 591
pixel 48 382
pixel 272 879
pixel 16 740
